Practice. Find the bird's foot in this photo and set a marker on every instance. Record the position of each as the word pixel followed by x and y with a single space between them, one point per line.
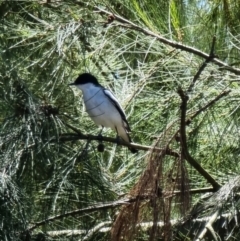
pixel 100 137
pixel 118 140
pixel 101 146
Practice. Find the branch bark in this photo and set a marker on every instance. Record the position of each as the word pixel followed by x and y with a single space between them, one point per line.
pixel 128 24
pixel 209 227
pixel 80 136
pixel 90 209
pixel 113 204
pixel 185 152
pixel 204 65
pixel 144 226
pixel 212 102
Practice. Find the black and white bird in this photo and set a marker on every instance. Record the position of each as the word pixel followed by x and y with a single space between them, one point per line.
pixel 103 107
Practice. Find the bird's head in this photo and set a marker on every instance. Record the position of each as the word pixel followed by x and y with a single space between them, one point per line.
pixel 85 78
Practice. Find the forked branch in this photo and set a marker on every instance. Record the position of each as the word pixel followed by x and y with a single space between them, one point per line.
pixel 184 146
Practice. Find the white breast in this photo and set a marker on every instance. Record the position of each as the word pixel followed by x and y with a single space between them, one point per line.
pixel 99 107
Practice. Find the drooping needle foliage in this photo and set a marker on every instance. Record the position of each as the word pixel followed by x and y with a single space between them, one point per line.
pixel 174 67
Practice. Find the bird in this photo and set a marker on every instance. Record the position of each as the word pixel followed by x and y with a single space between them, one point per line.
pixel 103 107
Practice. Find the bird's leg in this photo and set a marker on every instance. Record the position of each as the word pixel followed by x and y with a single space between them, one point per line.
pixel 117 137
pixel 100 134
pixel 100 145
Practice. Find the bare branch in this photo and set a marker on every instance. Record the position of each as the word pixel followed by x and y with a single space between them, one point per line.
pixel 90 209
pixel 208 226
pixel 144 226
pixel 212 102
pixel 94 230
pixel 200 70
pixel 185 152
pixel 128 24
pixel 80 136
pixel 113 204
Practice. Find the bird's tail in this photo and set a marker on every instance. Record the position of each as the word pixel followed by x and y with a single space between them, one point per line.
pixel 133 150
pixel 123 133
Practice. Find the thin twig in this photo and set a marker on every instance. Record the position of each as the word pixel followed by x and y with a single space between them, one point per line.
pixel 185 152
pixel 196 190
pixel 73 128
pixel 89 209
pixel 128 24
pixel 94 230
pixel 200 70
pixel 144 225
pixel 209 104
pixel 208 226
pixel 113 204
pixel 212 102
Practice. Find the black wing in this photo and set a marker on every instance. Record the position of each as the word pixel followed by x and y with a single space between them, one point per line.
pixel 114 101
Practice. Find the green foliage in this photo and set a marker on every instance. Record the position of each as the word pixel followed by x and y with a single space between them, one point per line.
pixel 45 45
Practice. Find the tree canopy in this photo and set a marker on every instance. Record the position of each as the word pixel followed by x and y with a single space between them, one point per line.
pixel 174 67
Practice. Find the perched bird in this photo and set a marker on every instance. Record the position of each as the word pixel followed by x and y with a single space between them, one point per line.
pixel 103 107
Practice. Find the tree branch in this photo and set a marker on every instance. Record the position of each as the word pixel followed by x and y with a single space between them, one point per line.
pixel 212 102
pixel 144 225
pixel 94 230
pixel 89 209
pixel 209 227
pixel 79 136
pixel 113 204
pixel 185 152
pixel 176 45
pixel 204 65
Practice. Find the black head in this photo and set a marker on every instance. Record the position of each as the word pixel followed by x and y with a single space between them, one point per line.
pixel 85 78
